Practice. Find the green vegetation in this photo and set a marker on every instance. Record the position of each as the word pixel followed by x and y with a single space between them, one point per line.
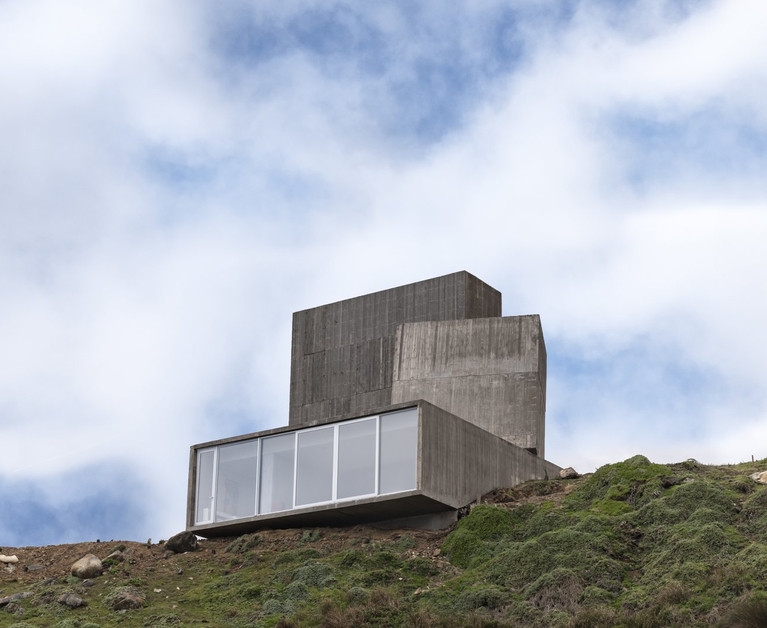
pixel 634 545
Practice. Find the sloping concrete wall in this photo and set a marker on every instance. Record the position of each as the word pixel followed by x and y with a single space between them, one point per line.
pixel 491 372
pixel 460 461
pixel 342 357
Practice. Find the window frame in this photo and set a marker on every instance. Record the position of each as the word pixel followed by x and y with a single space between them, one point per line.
pixel 336 442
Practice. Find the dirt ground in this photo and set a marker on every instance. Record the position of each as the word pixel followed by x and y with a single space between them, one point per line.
pixel 36 564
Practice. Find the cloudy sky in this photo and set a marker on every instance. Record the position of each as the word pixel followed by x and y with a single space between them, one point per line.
pixel 176 178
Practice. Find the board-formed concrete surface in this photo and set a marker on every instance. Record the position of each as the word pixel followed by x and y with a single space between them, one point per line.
pixel 490 371
pixel 342 353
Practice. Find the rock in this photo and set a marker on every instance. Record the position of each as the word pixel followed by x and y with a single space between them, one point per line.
pixel 8 559
pixel 568 474
pixel 127 599
pixel 182 542
pixel 759 477
pixel 4 601
pixel 71 600
pixel 89 566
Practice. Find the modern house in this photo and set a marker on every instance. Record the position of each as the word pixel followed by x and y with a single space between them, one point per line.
pixel 405 406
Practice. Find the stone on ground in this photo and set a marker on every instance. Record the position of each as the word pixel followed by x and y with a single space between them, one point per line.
pixel 182 542
pixel 89 566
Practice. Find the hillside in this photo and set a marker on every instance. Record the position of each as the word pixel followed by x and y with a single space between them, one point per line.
pixel 635 544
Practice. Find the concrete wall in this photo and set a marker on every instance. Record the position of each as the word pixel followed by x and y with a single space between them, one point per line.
pixel 460 461
pixel 342 358
pixel 490 371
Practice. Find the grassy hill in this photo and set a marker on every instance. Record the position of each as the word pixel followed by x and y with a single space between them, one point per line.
pixel 635 544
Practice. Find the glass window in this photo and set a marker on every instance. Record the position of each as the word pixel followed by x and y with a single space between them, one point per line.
pixel 315 466
pixel 399 451
pixel 236 480
pixel 277 454
pixel 356 458
pixel 204 499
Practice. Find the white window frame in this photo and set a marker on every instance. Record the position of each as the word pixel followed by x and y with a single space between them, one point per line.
pixel 334 493
pixel 213 488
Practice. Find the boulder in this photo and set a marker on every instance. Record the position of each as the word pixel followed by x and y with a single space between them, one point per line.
pixel 126 599
pixel 89 566
pixel 8 559
pixel 759 476
pixel 568 474
pixel 4 601
pixel 71 600
pixel 182 542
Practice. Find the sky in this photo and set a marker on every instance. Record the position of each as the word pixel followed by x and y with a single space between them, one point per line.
pixel 178 177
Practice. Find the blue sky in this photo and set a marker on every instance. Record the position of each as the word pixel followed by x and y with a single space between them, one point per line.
pixel 177 178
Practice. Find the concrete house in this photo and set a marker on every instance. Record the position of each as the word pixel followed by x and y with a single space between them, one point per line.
pixel 405 406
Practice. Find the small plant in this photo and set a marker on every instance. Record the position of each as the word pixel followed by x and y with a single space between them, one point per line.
pixel 243 543
pixel 357 595
pixel 749 613
pixel 315 574
pixel 162 620
pixel 310 536
pixel 404 543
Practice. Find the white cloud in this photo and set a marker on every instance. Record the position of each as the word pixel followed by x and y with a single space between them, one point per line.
pixel 166 206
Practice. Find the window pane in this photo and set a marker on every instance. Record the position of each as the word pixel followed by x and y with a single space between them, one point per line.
pixel 204 499
pixel 236 482
pixel 315 467
pixel 399 444
pixel 356 459
pixel 277 473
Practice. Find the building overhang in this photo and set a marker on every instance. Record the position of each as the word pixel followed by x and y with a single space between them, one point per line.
pixel 451 462
pixel 411 505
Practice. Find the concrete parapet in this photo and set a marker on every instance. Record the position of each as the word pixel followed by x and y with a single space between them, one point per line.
pixel 460 461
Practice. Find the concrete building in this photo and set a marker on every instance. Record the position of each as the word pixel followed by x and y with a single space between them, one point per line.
pixel 405 405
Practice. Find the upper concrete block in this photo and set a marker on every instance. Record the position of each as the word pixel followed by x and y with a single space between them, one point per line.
pixel 342 353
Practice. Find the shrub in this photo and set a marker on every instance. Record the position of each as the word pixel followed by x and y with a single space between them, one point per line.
pixel 480 597
pixel 310 536
pixel 357 595
pixel 753 516
pixel 296 591
pixel 243 543
pixel 315 574
pixel 420 567
pixel 688 498
pixel 276 607
pixel 404 543
pixel 469 542
pixel 559 589
pixel 161 620
pixel 633 482
pixel 589 555
pixel 748 613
